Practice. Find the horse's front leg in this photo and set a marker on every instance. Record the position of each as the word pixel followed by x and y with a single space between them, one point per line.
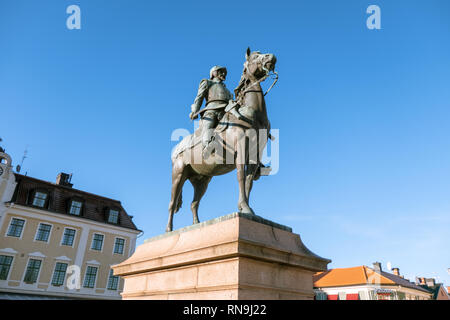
pixel 240 160
pixel 243 201
pixel 249 177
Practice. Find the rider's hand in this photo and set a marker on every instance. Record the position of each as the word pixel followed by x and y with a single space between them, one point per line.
pixel 191 115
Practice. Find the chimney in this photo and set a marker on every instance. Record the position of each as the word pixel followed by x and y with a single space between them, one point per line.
pixel 420 280
pixel 396 271
pixel 377 266
pixel 63 179
pixel 430 282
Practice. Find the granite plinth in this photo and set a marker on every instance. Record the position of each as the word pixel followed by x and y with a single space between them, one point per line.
pixel 236 256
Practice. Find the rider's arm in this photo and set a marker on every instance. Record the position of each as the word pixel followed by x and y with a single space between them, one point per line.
pixel 201 94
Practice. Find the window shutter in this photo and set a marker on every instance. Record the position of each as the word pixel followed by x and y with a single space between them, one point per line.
pixel 68 201
pixel 105 213
pixel 83 207
pixel 30 195
pixel 49 204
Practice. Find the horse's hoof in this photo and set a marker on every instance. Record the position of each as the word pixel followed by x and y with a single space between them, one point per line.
pixel 169 229
pixel 246 210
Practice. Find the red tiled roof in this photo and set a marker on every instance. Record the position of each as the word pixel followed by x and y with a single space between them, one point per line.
pixel 348 277
pixel 360 275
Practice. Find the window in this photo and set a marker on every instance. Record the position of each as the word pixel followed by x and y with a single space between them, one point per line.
pixel 119 246
pixel 75 207
pixel 113 216
pixel 16 227
pixel 384 296
pixel 68 237
pixel 89 278
pixel 59 274
pixel 113 281
pixel 32 272
pixel 401 295
pixel 43 232
pixel 97 242
pixel 5 265
pixel 40 198
pixel 320 295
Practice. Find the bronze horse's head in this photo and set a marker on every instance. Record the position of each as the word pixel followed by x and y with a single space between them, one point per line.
pixel 258 65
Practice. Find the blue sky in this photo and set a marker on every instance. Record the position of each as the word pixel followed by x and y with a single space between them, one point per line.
pixel 363 114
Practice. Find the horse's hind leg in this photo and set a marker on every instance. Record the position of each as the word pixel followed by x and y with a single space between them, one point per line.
pixel 179 176
pixel 200 184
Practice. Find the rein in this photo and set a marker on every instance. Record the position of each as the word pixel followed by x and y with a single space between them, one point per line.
pixel 274 81
pixel 246 90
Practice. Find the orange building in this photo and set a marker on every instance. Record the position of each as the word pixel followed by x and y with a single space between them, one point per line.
pixel 364 283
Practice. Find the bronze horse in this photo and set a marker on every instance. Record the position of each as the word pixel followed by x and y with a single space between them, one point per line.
pixel 234 141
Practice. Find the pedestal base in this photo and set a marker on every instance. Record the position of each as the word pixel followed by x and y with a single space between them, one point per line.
pixel 237 256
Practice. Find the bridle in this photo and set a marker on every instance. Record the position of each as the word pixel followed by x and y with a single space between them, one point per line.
pixel 268 73
pixel 241 94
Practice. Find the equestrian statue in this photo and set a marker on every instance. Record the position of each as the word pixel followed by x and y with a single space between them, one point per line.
pixel 232 134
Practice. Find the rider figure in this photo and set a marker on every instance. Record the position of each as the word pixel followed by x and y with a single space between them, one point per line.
pixel 217 98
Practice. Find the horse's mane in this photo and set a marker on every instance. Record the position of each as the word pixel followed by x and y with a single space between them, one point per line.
pixel 244 82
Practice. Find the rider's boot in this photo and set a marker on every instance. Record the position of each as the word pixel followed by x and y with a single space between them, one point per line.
pixel 208 145
pixel 209 149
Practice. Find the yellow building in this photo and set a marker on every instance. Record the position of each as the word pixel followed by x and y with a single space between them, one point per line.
pixel 59 242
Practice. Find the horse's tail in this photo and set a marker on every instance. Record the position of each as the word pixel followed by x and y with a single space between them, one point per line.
pixel 179 202
pixel 176 204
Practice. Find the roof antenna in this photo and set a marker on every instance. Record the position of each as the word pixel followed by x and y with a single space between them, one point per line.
pixel 19 166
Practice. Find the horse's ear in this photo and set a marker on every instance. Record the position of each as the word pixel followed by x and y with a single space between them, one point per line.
pixel 247 55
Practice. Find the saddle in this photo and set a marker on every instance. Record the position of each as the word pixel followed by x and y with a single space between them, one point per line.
pixel 194 139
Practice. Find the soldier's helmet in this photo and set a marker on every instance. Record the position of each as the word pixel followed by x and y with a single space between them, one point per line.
pixel 215 68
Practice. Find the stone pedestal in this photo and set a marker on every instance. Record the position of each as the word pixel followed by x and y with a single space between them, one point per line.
pixel 237 256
